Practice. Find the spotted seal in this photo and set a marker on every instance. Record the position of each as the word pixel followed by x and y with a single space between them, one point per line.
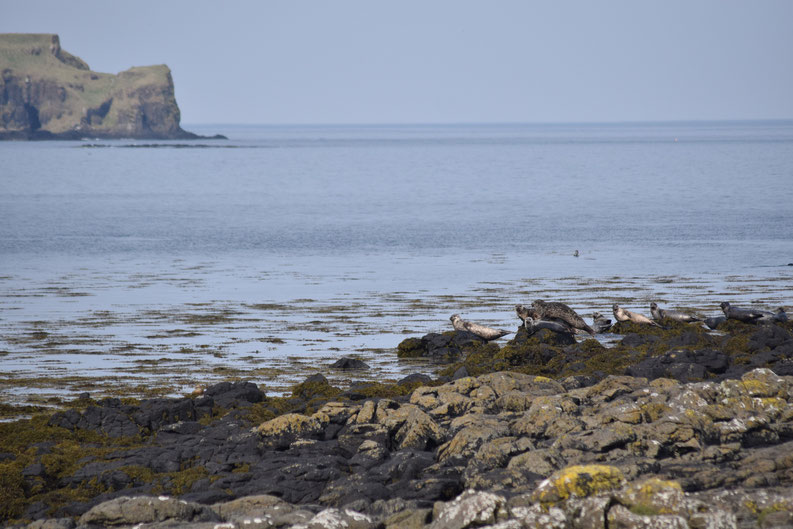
pixel 744 315
pixel 600 323
pixel 626 315
pixel 550 310
pixel 486 333
pixel 770 317
pixel 661 314
pixel 533 326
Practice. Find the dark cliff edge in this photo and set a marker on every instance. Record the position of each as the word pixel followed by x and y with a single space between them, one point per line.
pixel 47 93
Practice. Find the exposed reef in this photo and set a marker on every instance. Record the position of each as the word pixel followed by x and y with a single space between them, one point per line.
pixel 47 93
pixel 669 427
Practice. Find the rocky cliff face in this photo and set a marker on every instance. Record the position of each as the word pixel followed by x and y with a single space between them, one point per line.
pixel 47 93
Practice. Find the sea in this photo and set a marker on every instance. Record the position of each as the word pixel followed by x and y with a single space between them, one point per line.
pixel 145 268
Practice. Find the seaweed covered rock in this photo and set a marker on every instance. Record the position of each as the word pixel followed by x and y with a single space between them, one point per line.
pixel 439 347
pixel 546 336
pixel 654 435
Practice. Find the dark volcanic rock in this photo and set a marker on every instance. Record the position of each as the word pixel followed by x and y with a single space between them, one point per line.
pixel 440 347
pixel 542 336
pixel 638 340
pixel 349 363
pixel 683 365
pixel 414 378
pixel 685 435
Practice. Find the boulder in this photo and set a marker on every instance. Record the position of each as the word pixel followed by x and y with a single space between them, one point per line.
pixel 578 481
pixel 146 509
pixel 282 431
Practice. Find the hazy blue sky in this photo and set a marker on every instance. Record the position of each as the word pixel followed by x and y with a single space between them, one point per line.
pixel 440 61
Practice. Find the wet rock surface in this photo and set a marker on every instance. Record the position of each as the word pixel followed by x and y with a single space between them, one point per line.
pixel 670 427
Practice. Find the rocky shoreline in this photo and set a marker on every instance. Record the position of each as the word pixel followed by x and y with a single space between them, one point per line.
pixel 670 427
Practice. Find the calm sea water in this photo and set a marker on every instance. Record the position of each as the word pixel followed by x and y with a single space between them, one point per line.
pixel 305 243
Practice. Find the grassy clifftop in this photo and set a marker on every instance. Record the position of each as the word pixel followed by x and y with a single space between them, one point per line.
pixel 47 91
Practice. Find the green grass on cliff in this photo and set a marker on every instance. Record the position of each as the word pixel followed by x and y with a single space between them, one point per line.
pixel 63 88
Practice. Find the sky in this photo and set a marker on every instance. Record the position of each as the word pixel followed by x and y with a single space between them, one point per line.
pixel 440 61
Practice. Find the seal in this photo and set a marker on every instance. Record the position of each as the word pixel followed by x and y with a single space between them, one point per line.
pixel 533 326
pixel 661 314
pixel 486 333
pixel 714 321
pixel 770 317
pixel 744 315
pixel 525 312
pixel 549 310
pixel 600 323
pixel 533 323
pixel 626 315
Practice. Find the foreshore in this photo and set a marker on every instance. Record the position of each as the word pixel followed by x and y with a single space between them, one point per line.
pixel 668 427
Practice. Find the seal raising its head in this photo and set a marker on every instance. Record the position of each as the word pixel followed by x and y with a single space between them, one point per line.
pixel 600 323
pixel 486 333
pixel 660 314
pixel 626 315
pixel 549 310
pixel 524 312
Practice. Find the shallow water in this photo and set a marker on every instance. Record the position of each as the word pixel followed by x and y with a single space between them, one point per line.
pixel 267 257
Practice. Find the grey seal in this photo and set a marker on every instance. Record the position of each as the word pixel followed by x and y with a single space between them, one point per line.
pixel 626 315
pixel 714 321
pixel 533 326
pixel 526 312
pixel 771 317
pixel 744 315
pixel 600 323
pixel 533 323
pixel 548 310
pixel 661 314
pixel 486 333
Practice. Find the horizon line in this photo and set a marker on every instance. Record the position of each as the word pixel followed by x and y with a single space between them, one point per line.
pixel 493 123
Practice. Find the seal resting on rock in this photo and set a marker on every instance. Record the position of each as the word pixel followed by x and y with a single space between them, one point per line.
pixel 744 315
pixel 770 317
pixel 537 323
pixel 533 326
pixel 626 315
pixel 600 323
pixel 660 314
pixel 550 310
pixel 484 332
pixel 715 321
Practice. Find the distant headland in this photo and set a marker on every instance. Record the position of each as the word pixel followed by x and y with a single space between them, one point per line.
pixel 46 93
